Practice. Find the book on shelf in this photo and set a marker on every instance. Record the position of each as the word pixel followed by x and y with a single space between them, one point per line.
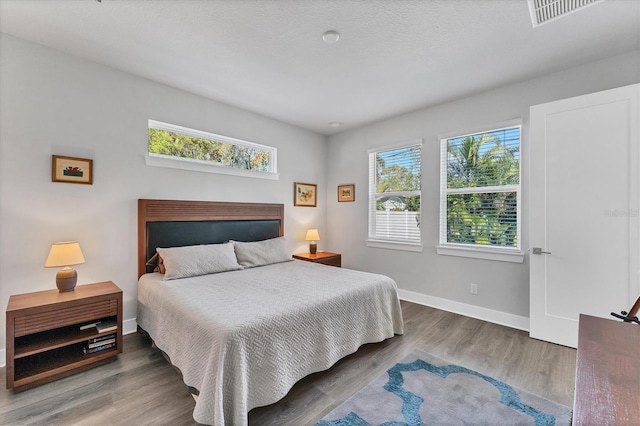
pixel 105 326
pixel 102 338
pixel 100 343
pixel 103 347
pixel 89 325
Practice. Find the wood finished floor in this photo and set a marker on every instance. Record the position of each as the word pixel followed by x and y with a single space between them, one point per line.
pixel 141 388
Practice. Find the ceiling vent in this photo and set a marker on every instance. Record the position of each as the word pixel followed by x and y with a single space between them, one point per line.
pixel 543 11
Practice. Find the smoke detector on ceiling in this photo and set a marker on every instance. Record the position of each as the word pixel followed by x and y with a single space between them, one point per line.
pixel 331 36
pixel 543 11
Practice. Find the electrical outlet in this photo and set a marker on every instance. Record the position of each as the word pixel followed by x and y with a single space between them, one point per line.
pixel 474 288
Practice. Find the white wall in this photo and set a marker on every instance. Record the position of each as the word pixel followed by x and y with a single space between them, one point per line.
pixel 53 103
pixel 437 279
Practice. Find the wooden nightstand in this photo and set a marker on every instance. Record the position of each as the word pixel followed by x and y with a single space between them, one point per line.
pixel 323 257
pixel 45 341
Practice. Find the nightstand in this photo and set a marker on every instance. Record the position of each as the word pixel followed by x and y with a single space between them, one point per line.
pixel 323 257
pixel 51 335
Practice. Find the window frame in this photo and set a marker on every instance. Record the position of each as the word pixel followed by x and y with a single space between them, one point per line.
pixel 393 244
pixel 169 161
pixel 478 251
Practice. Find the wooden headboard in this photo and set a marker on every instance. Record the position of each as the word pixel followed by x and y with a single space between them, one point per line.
pixel 169 223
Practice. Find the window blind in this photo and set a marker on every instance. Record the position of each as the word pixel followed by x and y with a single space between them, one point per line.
pixel 394 193
pixel 480 189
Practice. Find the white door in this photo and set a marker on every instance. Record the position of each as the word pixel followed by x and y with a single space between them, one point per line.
pixel 584 210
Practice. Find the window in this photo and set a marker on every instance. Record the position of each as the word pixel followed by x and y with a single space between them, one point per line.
pixel 394 197
pixel 184 148
pixel 480 193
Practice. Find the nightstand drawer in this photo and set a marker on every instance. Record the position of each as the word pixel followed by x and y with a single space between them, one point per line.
pixel 57 317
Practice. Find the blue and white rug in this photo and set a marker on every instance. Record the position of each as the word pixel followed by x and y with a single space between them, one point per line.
pixel 424 390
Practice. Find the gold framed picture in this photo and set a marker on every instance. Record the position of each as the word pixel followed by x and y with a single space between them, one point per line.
pixel 346 193
pixel 305 194
pixel 71 170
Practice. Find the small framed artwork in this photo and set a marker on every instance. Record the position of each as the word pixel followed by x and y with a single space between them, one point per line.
pixel 305 194
pixel 71 170
pixel 346 193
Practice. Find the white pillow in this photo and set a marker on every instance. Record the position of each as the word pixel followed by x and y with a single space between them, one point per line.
pixel 260 253
pixel 190 261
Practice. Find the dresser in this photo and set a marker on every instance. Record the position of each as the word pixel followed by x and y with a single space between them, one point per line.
pixel 607 373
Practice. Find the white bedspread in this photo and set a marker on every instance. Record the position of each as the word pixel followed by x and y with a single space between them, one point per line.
pixel 244 338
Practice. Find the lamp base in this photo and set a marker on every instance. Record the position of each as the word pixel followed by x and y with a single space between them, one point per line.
pixel 66 279
pixel 313 248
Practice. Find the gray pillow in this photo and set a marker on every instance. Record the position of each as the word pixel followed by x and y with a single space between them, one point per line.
pixel 260 253
pixel 190 261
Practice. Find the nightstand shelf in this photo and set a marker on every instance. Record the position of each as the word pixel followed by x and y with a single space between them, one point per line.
pixel 46 366
pixel 32 344
pixel 44 340
pixel 322 257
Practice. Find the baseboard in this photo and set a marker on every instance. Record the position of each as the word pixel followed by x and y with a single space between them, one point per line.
pixel 128 327
pixel 496 317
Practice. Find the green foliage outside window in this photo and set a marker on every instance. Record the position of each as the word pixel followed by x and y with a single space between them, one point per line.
pixel 489 160
pixel 219 153
pixel 398 172
pixel 484 218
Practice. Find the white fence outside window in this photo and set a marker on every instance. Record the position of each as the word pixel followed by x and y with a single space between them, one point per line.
pixel 394 224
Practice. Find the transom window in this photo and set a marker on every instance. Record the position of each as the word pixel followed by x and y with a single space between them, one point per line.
pixel 182 147
pixel 394 195
pixel 480 190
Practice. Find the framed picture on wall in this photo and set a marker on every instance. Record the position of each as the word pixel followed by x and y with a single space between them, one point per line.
pixel 305 194
pixel 346 193
pixel 71 170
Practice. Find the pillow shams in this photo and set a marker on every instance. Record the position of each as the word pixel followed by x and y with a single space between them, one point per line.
pixel 190 261
pixel 260 253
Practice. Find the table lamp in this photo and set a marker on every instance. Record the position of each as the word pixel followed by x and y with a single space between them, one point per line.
pixel 313 236
pixel 65 254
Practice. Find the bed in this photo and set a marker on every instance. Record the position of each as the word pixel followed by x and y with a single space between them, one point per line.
pixel 243 337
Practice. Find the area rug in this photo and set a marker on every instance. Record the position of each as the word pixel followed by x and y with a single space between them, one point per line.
pixel 424 390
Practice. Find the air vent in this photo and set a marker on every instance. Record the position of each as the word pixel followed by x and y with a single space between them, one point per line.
pixel 543 11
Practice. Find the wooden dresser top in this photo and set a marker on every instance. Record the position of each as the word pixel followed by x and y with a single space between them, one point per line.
pixel 607 373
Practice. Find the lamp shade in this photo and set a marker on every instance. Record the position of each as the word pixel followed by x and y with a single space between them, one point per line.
pixel 64 254
pixel 312 235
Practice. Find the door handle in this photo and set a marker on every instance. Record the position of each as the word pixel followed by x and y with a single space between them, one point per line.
pixel 538 250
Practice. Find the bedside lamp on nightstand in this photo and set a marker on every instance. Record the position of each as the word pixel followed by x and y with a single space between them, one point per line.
pixel 313 236
pixel 65 254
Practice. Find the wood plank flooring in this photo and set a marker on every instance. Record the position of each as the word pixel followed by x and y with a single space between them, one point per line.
pixel 141 388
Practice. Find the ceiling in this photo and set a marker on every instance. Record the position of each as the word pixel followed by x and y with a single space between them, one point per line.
pixel 267 56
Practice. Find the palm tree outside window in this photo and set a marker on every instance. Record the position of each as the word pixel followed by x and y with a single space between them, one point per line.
pixel 480 190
